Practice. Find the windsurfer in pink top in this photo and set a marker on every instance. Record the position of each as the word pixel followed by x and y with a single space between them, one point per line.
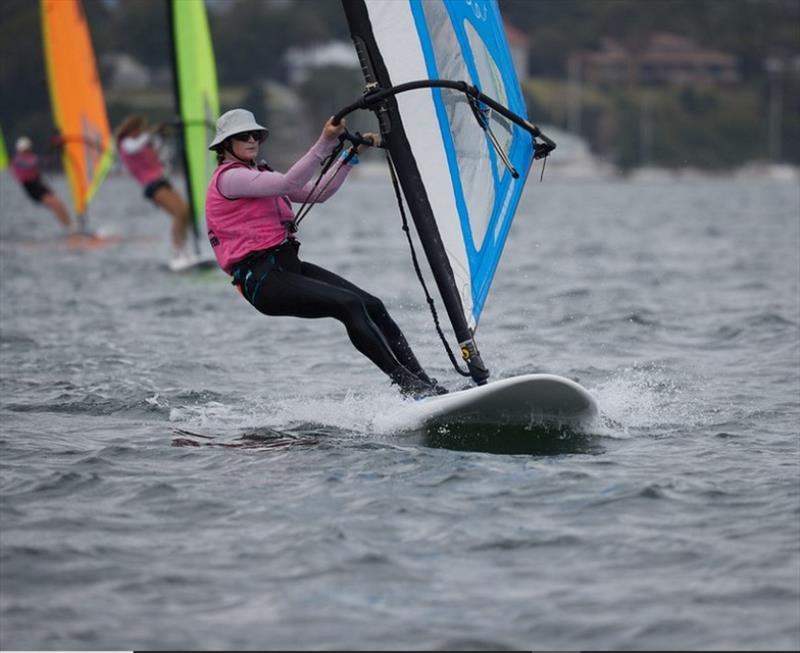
pixel 25 167
pixel 140 157
pixel 251 229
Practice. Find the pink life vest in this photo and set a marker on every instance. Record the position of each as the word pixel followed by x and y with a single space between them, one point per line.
pixel 25 166
pixel 238 227
pixel 143 164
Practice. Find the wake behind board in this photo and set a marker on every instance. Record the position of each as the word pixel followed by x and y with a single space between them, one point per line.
pixel 519 401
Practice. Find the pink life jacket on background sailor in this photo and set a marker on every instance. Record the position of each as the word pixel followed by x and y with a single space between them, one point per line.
pixel 238 227
pixel 25 166
pixel 141 159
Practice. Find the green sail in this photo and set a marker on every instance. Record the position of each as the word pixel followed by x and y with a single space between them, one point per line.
pixel 195 77
pixel 3 152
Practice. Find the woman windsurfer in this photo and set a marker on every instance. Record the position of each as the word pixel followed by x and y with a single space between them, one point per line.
pixel 140 157
pixel 250 227
pixel 25 166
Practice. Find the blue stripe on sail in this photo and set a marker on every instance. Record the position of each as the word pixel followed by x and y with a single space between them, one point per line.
pixel 484 17
pixel 444 124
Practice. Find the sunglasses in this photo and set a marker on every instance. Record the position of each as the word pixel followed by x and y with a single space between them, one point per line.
pixel 243 137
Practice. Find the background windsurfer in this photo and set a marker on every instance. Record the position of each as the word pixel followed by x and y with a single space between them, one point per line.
pixel 136 150
pixel 250 226
pixel 25 166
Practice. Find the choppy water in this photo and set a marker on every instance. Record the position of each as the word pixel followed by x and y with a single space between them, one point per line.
pixel 178 471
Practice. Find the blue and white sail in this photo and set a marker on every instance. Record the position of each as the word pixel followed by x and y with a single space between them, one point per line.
pixel 461 163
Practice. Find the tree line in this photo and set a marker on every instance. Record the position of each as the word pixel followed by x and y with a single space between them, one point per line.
pixel 251 37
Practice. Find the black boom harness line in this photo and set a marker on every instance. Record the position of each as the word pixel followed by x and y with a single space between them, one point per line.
pixel 355 140
pixel 399 197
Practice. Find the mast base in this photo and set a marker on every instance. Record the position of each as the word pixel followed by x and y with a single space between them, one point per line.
pixel 477 370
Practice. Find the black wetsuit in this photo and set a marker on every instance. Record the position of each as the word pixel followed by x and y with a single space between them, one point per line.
pixel 277 282
pixel 36 189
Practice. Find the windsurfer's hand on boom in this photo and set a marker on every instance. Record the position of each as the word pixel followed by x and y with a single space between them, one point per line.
pixel 333 131
pixel 375 138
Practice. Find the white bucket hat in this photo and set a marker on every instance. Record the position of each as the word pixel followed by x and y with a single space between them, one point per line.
pixel 23 143
pixel 236 121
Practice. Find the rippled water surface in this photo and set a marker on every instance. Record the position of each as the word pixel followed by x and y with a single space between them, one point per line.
pixel 178 471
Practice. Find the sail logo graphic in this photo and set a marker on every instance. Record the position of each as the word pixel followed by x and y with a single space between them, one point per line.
pixel 479 8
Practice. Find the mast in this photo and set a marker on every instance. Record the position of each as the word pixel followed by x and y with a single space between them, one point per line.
pixel 176 89
pixel 395 140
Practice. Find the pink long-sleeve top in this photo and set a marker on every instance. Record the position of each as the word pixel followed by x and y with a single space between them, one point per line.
pixel 248 209
pixel 141 158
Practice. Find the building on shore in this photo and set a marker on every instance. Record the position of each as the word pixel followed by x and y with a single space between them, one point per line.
pixel 666 60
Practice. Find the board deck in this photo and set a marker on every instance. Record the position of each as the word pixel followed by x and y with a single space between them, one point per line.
pixel 196 264
pixel 82 242
pixel 516 401
pixel 92 241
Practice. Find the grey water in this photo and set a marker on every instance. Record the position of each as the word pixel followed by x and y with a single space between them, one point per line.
pixel 178 471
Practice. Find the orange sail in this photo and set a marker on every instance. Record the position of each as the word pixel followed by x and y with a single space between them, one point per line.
pixel 76 97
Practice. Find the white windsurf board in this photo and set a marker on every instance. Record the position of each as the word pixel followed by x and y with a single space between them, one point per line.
pixel 517 401
pixel 198 262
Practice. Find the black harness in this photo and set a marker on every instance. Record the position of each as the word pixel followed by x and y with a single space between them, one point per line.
pixel 252 270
